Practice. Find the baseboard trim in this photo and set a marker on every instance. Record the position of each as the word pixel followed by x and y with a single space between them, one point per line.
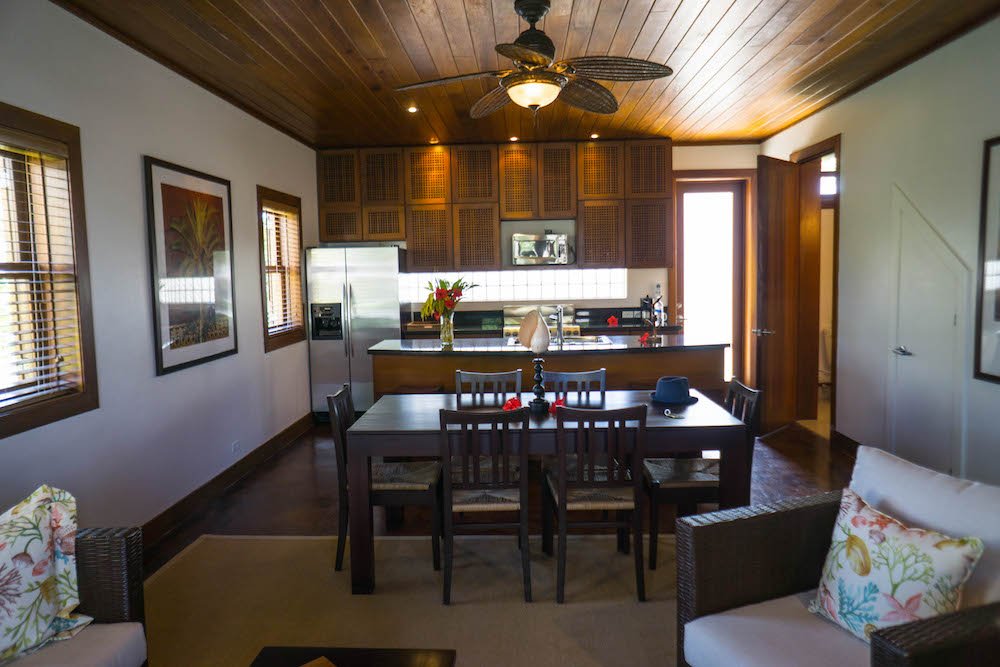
pixel 844 442
pixel 169 520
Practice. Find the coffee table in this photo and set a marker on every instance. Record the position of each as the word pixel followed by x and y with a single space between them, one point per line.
pixel 296 656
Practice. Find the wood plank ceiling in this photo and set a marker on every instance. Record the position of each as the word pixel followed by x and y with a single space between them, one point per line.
pixel 324 71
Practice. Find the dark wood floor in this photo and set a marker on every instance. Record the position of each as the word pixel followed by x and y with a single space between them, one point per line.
pixel 295 493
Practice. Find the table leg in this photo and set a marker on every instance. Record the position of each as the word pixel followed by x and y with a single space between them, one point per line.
pixel 362 534
pixel 734 473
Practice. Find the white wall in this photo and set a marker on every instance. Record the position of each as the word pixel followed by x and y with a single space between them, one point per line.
pixel 922 129
pixel 723 156
pixel 154 439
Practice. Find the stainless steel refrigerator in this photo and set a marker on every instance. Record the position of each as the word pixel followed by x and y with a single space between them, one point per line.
pixel 353 296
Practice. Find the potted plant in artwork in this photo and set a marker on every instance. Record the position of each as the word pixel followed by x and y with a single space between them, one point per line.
pixel 441 303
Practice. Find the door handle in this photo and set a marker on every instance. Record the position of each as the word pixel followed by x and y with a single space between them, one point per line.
pixel 350 322
pixel 345 323
pixel 762 332
pixel 901 351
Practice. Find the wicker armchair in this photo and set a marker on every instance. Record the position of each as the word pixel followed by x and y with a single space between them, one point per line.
pixel 781 550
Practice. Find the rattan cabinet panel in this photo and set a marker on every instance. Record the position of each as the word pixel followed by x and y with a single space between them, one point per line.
pixel 600 234
pixel 382 176
pixel 338 223
pixel 518 182
pixel 384 223
pixel 428 175
pixel 649 233
pixel 557 180
pixel 474 174
pixel 601 170
pixel 337 173
pixel 648 169
pixel 477 236
pixel 429 237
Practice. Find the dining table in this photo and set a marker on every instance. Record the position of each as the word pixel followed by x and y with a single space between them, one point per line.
pixel 408 425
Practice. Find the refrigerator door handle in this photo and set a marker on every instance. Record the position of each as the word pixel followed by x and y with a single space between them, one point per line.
pixel 346 323
pixel 350 321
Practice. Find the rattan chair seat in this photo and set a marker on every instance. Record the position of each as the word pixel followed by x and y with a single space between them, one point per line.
pixel 594 498
pixel 682 473
pixel 486 500
pixel 405 476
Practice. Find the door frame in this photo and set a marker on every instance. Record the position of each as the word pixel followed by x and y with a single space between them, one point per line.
pixel 814 152
pixel 739 182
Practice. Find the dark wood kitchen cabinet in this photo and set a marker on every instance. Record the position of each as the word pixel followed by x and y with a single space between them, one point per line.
pixel 476 236
pixel 557 180
pixel 428 175
pixel 474 174
pixel 649 233
pixel 382 176
pixel 600 234
pixel 429 238
pixel 601 170
pixel 338 186
pixel 518 182
pixel 649 169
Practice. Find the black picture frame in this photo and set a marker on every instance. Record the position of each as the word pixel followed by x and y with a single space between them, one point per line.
pixel 173 349
pixel 987 352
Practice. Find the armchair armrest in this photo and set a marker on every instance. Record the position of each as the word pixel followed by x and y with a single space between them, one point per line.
pixel 109 574
pixel 737 557
pixel 966 638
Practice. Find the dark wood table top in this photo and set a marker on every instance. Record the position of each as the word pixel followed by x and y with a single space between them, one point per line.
pixel 502 346
pixel 296 656
pixel 419 412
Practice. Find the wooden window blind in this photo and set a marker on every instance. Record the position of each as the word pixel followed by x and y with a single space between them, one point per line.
pixel 281 268
pixel 46 344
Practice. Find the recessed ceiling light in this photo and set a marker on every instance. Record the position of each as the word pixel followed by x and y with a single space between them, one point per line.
pixel 411 109
pixel 434 140
pixel 513 138
pixel 595 135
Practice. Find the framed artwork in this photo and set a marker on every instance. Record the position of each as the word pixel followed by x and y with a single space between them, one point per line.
pixel 191 263
pixel 988 294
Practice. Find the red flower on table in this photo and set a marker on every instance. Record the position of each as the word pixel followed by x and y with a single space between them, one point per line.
pixel 512 404
pixel 555 404
pixel 644 338
pixel 612 321
pixel 449 304
pixel 440 293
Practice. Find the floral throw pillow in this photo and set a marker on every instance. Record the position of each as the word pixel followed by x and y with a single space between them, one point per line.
pixel 38 591
pixel 879 573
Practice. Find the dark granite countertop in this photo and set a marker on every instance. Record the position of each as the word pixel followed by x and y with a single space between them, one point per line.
pixel 478 346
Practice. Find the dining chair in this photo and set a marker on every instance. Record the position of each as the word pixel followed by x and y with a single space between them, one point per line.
pixel 608 447
pixel 392 484
pixel 486 463
pixel 685 482
pixel 582 382
pixel 500 385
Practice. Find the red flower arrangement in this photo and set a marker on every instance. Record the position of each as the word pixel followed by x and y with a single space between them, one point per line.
pixel 444 297
pixel 555 404
pixel 512 404
pixel 612 321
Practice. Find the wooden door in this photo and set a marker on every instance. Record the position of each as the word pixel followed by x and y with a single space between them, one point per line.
pixel 428 175
pixel 381 176
pixel 477 236
pixel 807 367
pixel 429 238
pixel 518 182
pixel 557 180
pixel 474 174
pixel 600 234
pixel 601 170
pixel 648 169
pixel 776 330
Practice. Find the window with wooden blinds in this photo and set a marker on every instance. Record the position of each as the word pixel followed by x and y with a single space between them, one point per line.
pixel 46 336
pixel 281 268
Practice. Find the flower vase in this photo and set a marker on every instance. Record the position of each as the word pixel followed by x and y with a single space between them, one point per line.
pixel 448 329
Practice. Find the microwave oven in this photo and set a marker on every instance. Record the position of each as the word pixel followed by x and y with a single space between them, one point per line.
pixel 535 249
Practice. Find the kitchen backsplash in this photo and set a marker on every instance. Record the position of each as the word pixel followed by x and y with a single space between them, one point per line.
pixel 510 286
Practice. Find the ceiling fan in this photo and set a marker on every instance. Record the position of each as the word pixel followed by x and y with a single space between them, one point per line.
pixel 537 81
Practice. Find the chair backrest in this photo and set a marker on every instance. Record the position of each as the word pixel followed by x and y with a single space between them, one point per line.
pixel 341 407
pixel 743 403
pixel 582 382
pixel 609 446
pixel 481 451
pixel 481 385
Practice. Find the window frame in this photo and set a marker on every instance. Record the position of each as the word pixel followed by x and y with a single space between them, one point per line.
pixel 285 338
pixel 35 413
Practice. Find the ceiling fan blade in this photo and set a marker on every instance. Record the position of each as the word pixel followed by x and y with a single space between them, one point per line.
pixel 492 101
pixel 589 96
pixel 500 73
pixel 615 68
pixel 521 53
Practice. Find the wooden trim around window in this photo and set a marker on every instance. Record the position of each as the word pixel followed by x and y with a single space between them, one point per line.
pixel 23 418
pixel 298 334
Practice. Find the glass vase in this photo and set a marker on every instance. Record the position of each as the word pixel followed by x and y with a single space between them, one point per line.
pixel 448 329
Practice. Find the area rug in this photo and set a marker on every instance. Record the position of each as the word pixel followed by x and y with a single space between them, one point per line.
pixel 224 598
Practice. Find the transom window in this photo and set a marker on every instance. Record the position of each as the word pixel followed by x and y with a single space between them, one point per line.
pixel 281 268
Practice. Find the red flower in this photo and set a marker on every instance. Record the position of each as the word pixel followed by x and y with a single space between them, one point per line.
pixel 612 321
pixel 437 316
pixel 512 404
pixel 449 303
pixel 644 338
pixel 555 404
pixel 458 293
pixel 439 293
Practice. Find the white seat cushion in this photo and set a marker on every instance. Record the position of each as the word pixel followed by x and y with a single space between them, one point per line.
pixel 776 633
pixel 922 498
pixel 97 645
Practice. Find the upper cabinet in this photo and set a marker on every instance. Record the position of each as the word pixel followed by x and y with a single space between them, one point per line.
pixel 428 175
pixel 338 186
pixel 474 174
pixel 518 182
pixel 429 237
pixel 601 170
pixel 649 233
pixel 600 234
pixel 382 176
pixel 476 236
pixel 648 169
pixel 557 180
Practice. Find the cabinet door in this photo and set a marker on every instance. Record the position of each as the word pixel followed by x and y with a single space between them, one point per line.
pixel 601 170
pixel 381 176
pixel 339 223
pixel 649 233
pixel 428 179
pixel 557 180
pixel 384 223
pixel 648 169
pixel 428 238
pixel 339 195
pixel 600 234
pixel 477 236
pixel 518 182
pixel 474 174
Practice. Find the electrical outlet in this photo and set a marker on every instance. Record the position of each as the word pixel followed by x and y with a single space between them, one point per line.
pixel 237 448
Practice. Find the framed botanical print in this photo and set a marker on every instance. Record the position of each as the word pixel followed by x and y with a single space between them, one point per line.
pixel 191 262
pixel 988 295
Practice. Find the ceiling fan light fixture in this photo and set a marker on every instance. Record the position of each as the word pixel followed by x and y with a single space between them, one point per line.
pixel 533 90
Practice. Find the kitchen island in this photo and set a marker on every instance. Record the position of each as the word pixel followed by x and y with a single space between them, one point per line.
pixel 423 366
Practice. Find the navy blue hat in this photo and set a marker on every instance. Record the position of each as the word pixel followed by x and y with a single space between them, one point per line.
pixel 673 390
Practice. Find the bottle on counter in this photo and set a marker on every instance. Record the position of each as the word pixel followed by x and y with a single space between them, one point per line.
pixel 658 305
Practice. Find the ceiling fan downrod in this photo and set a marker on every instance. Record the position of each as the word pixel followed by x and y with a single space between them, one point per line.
pixel 532 11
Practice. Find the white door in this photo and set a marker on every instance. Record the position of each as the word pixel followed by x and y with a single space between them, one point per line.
pixel 925 375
